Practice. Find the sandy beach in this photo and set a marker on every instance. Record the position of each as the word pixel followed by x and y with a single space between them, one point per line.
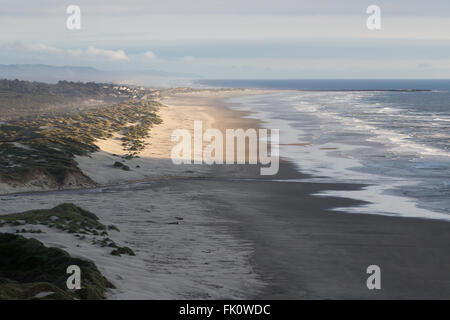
pixel 179 112
pixel 238 234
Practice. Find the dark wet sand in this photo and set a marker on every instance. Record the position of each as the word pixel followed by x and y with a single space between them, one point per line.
pixel 302 250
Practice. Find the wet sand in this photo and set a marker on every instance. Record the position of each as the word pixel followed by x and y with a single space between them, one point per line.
pixel 302 250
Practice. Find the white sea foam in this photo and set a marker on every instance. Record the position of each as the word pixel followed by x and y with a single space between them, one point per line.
pixel 345 159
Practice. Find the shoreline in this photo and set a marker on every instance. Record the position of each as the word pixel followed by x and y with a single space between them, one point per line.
pixel 328 158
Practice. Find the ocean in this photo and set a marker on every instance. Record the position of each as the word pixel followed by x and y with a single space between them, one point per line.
pixel 393 136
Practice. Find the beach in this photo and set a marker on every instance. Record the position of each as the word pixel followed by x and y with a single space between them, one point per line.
pixel 180 110
pixel 225 231
pixel 302 249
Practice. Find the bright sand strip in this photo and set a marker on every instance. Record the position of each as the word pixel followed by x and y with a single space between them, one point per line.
pixel 180 112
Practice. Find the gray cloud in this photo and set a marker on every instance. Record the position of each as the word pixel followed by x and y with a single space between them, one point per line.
pixel 92 51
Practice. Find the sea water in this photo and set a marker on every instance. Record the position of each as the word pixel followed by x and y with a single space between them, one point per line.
pixel 395 142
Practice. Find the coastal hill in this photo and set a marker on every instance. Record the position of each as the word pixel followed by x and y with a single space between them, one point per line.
pixel 53 74
pixel 44 126
pixel 50 74
pixel 28 99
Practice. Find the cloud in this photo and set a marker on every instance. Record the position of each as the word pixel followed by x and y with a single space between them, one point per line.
pixel 113 55
pixel 74 52
pixel 188 59
pixel 41 47
pixel 37 47
pixel 150 55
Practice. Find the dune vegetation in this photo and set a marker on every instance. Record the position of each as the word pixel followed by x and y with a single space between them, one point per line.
pixel 46 144
pixel 30 270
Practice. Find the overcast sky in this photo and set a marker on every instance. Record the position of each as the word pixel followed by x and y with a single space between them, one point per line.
pixel 234 39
